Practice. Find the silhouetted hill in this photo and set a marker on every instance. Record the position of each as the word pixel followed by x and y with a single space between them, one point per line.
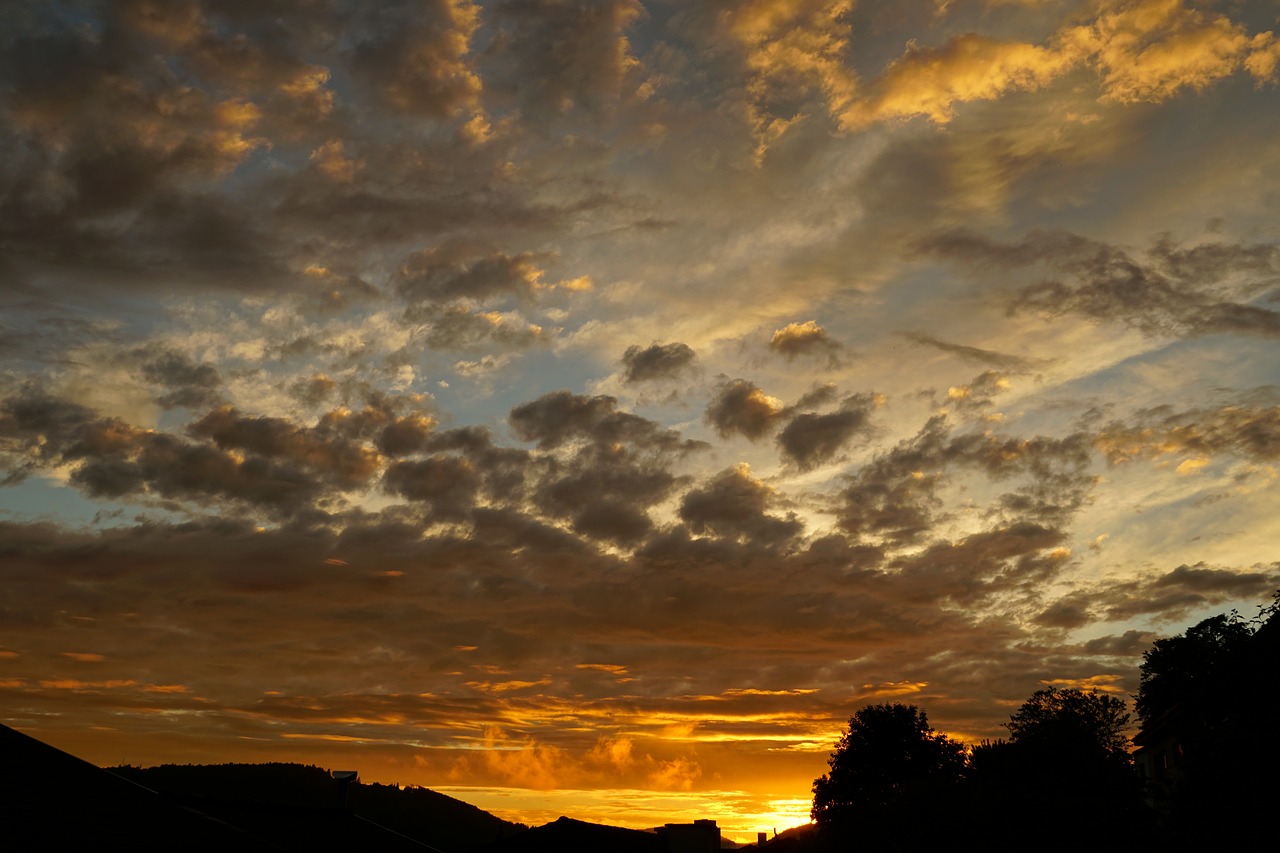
pixel 248 794
pixel 51 800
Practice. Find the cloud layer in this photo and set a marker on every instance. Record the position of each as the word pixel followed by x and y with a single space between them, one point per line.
pixel 558 399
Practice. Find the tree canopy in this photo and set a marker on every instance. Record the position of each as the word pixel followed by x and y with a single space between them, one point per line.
pixel 889 764
pixel 1070 718
pixel 1182 668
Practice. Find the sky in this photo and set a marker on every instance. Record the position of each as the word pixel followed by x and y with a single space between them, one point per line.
pixel 584 407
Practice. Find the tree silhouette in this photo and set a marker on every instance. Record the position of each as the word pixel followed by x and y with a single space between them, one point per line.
pixel 1182 668
pixel 891 774
pixel 1210 706
pixel 1090 724
pixel 1065 763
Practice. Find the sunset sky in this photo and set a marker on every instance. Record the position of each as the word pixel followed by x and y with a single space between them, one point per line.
pixel 583 407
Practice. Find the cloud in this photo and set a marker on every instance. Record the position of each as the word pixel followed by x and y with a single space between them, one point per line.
pixel 1019 558
pixel 792 52
pixel 417 57
pixel 405 435
pixel 590 68
pixel 1245 430
pixel 265 461
pixel 969 353
pixel 329 447
pixel 447 483
pixel 1141 51
pixel 931 81
pixel 456 327
pixel 561 416
pixel 1172 291
pixel 979 392
pixel 456 271
pixel 811 439
pixel 656 361
pixel 1149 49
pixel 893 498
pixel 741 407
pixel 188 384
pixel 733 505
pixel 807 338
pixel 606 491
pixel 1172 595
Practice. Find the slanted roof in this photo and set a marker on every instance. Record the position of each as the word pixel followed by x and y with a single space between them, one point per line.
pixel 54 801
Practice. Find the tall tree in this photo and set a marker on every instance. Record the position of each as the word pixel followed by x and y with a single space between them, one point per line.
pixel 890 773
pixel 1184 668
pixel 1089 723
pixel 1210 703
pixel 1066 763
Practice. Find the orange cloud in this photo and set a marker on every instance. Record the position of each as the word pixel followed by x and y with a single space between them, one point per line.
pixel 678 774
pixel 1107 683
pixel 970 67
pixel 792 47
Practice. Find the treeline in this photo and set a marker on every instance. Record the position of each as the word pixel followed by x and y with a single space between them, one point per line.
pixel 1205 769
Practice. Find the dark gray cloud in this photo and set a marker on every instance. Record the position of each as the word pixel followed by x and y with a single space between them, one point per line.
pixel 120 124
pixel 1244 428
pixel 405 435
pixel 733 505
pixel 456 327
pixel 968 353
pixel 656 361
pixel 313 391
pixel 576 50
pixel 505 470
pixel 258 460
pixel 186 383
pixel 562 416
pixel 1069 612
pixel 1171 291
pixel 447 483
pixel 606 491
pixel 811 439
pixel 1005 561
pixel 1172 595
pixel 329 447
pixel 457 271
pixel 894 497
pixel 414 57
pixel 819 396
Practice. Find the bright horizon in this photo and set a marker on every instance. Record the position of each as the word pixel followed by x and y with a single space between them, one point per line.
pixel 591 405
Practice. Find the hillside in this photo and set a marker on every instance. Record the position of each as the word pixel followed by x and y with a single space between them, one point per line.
pixel 246 793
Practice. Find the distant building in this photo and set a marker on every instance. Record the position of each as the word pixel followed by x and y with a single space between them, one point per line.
pixel 701 836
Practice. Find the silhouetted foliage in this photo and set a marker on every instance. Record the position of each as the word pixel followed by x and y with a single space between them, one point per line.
pixel 1211 706
pixel 1182 667
pixel 891 775
pixel 1065 763
pixel 1087 723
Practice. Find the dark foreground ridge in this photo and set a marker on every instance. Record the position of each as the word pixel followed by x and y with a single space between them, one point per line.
pixel 50 800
